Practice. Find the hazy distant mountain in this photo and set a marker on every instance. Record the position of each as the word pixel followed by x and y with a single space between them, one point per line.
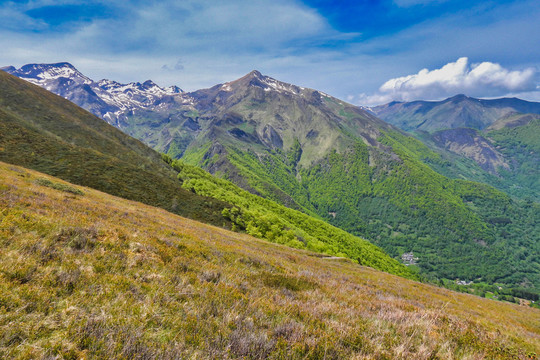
pixel 455 112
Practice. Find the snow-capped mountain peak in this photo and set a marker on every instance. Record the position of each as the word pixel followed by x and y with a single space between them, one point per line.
pixel 41 73
pixel 105 98
pixel 173 90
pixel 255 78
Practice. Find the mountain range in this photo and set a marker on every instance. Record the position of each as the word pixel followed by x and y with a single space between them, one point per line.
pixel 42 131
pixel 492 141
pixel 340 163
pixel 95 263
pixel 459 111
pixel 106 99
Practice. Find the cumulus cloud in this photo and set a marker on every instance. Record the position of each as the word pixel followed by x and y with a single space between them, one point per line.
pixel 484 79
pixel 218 40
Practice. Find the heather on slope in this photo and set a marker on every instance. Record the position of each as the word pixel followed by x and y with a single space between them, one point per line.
pixel 87 275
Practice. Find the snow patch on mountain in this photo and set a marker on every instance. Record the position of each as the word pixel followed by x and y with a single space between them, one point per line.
pixel 105 98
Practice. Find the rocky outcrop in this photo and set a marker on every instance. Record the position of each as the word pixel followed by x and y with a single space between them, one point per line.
pixel 469 143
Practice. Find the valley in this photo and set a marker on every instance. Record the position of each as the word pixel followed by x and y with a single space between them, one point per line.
pixel 85 272
pixel 339 163
pixel 270 180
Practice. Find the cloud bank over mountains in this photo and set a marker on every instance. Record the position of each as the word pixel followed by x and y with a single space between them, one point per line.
pixel 484 79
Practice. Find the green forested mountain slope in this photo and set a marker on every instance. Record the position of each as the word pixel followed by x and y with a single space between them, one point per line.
pixel 506 157
pixel 480 140
pixel 313 152
pixel 268 220
pixel 42 131
pixel 518 139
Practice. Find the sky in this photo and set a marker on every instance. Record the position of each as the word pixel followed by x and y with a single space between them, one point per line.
pixel 366 52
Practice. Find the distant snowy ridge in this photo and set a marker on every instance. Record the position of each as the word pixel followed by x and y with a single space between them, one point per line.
pixel 107 99
pixel 116 103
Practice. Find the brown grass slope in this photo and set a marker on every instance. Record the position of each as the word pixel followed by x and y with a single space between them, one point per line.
pixel 45 132
pixel 94 276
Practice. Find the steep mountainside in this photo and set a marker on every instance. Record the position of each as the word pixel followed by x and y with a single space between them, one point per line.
pixel 45 132
pixel 455 112
pixel 95 276
pixel 328 158
pixel 42 131
pixel 471 144
pixel 474 137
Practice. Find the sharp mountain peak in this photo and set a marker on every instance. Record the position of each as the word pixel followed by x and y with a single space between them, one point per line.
pixel 255 73
pixel 256 79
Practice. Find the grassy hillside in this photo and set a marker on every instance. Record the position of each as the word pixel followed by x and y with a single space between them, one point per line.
pixel 45 132
pixel 94 276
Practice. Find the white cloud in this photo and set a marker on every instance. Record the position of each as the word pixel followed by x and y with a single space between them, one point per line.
pixel 219 41
pixel 484 79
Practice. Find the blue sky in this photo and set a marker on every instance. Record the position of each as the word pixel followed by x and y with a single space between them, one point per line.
pixel 366 51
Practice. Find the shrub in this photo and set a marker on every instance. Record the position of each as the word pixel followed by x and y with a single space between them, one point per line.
pixel 59 186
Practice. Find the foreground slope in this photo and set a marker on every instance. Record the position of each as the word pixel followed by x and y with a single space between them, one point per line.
pixel 45 132
pixel 87 275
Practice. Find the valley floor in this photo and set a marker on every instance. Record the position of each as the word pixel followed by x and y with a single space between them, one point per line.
pixel 87 275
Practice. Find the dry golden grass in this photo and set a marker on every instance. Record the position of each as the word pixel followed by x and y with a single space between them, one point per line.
pixel 94 276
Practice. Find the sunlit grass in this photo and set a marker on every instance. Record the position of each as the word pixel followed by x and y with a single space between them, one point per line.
pixel 94 276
